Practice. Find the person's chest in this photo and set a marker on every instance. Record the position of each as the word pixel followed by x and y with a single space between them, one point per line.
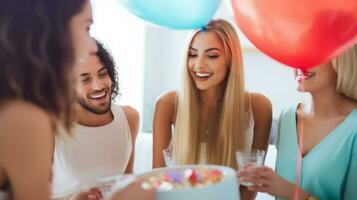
pixel 315 130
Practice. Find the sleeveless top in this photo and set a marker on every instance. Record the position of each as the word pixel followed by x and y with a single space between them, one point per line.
pixel 249 133
pixel 92 153
pixel 329 170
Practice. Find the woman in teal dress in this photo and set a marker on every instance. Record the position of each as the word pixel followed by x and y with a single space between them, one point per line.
pixel 317 147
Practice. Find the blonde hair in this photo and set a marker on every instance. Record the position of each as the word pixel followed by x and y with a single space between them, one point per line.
pixel 230 126
pixel 346 68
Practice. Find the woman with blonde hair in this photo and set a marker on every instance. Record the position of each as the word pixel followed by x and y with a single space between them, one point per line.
pixel 317 148
pixel 213 116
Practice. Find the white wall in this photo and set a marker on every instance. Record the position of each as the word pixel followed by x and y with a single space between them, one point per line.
pixel 124 36
pixel 163 64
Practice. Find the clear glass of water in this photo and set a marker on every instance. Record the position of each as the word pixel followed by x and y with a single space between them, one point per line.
pixel 253 158
pixel 168 157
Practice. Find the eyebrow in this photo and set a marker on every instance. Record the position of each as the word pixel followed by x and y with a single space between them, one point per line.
pixel 207 50
pixel 103 68
pixel 84 74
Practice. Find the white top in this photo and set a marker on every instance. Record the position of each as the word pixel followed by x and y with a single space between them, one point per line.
pixel 250 126
pixel 249 133
pixel 93 152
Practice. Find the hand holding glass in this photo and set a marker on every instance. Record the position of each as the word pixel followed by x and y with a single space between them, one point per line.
pixel 253 158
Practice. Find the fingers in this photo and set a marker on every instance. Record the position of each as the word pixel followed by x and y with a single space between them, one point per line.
pixel 258 181
pixel 248 165
pixel 264 179
pixel 89 194
pixel 256 171
pixel 94 194
pixel 260 177
pixel 93 197
pixel 255 188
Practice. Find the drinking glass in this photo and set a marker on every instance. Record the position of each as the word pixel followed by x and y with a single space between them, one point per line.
pixel 168 157
pixel 253 158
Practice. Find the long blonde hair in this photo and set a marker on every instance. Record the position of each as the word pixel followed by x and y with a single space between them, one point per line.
pixel 231 121
pixel 346 68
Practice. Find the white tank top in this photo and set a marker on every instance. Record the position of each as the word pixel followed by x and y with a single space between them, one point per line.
pixel 93 152
pixel 249 133
pixel 250 126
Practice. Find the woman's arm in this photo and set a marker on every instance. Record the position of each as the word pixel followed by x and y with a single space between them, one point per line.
pixel 262 114
pixel 164 116
pixel 26 146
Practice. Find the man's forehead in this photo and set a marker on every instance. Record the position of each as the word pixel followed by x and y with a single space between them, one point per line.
pixel 93 65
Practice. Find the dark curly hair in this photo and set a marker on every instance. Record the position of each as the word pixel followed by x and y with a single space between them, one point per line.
pixel 107 60
pixel 36 54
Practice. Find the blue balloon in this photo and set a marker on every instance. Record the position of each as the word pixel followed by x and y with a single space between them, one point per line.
pixel 175 14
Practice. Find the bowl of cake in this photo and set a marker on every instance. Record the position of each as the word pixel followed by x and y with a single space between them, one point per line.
pixel 208 182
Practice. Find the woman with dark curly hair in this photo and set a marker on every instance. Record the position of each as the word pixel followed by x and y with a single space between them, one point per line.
pixel 40 44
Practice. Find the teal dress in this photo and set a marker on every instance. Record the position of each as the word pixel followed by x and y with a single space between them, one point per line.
pixel 329 170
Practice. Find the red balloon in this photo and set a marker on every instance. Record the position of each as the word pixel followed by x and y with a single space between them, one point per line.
pixel 298 33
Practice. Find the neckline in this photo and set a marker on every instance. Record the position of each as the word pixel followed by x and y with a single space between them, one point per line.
pixel 100 126
pixel 323 140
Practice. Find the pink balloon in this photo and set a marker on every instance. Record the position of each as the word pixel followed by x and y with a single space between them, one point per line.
pixel 298 33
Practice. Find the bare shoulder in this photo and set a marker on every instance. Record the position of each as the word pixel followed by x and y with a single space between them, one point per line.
pixel 133 117
pixel 26 146
pixel 21 109
pixel 21 115
pixel 261 107
pixel 130 113
pixel 165 106
pixel 260 102
pixel 24 126
pixel 167 99
pixel 262 114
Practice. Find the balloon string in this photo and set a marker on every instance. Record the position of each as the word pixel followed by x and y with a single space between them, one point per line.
pixel 300 131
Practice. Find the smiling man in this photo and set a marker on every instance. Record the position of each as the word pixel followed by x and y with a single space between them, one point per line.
pixel 104 136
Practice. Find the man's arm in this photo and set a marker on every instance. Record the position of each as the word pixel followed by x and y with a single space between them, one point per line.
pixel 133 119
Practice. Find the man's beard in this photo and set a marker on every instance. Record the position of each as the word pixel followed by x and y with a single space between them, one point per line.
pixel 93 109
